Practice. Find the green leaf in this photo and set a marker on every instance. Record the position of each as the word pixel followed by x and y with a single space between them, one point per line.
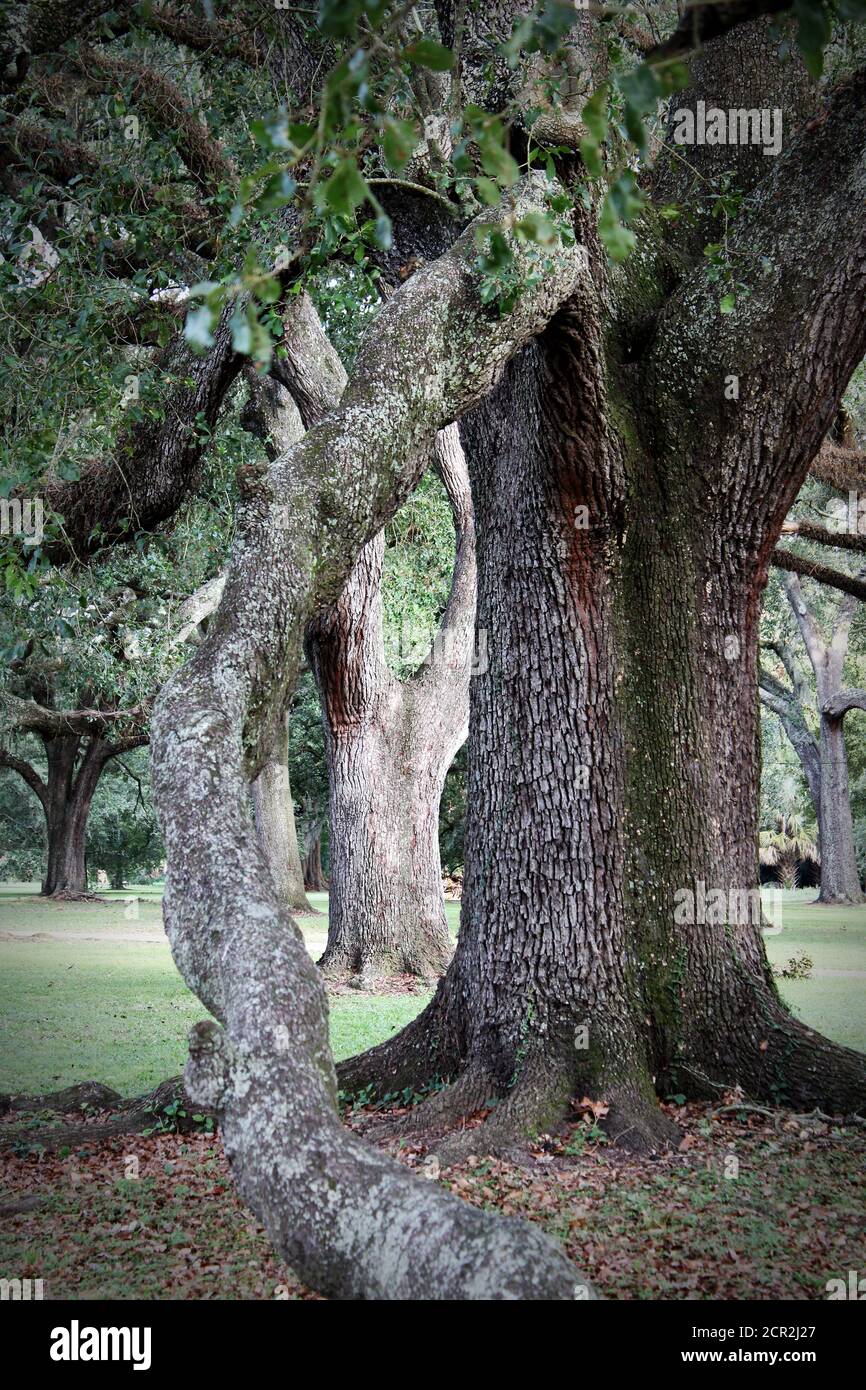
pixel 498 163
pixel 427 53
pixel 346 188
pixel 278 191
pixel 624 200
pixel 488 191
pixel 197 329
pixel 382 231
pixel 591 154
pixel 813 33
pixel 595 114
pixel 728 303
pixel 399 139
pixel 536 227
pixel 272 131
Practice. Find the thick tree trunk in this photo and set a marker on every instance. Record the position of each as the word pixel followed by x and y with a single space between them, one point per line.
pixel 389 745
pixel 840 880
pixel 70 795
pixel 275 823
pixel 387 908
pixel 692 805
pixel 540 1003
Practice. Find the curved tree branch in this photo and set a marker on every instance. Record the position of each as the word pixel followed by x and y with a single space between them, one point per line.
pixel 839 704
pixel 350 1221
pixel 30 775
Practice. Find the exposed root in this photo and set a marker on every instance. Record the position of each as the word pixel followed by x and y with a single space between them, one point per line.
pixel 370 969
pixel 776 1060
pixel 87 1095
pixel 67 896
pixel 166 1107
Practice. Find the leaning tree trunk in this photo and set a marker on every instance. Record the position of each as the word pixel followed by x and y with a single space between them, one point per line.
pixel 70 795
pixel 275 823
pixel 389 745
pixel 268 1070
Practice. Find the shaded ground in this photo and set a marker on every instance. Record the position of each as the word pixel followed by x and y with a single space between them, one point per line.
pixel 792 1218
pixel 90 992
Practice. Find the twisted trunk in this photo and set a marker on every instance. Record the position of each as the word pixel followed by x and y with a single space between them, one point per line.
pixel 349 1221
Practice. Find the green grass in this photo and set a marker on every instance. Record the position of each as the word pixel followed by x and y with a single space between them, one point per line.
pixel 117 1011
pixel 834 938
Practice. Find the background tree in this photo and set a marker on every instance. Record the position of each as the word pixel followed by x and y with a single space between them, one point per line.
pixel 679 499
pixel 824 758
pixel 123 837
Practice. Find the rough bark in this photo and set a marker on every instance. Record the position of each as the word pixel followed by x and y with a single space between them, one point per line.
pixel 348 1220
pixel 709 479
pixel 712 504
pixel 167 1108
pixel 541 1002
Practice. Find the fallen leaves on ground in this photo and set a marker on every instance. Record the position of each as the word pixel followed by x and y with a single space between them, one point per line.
pixel 754 1204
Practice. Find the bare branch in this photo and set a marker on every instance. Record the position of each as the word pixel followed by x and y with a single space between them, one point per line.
pixel 30 775
pixel 822 574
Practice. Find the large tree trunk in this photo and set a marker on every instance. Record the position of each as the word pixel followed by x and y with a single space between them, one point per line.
pixel 710 474
pixel 70 794
pixel 389 745
pixel 275 823
pixel 386 769
pixel 716 1016
pixel 540 1004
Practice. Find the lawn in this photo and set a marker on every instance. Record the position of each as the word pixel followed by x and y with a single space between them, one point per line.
pixel 90 991
pixel 74 1007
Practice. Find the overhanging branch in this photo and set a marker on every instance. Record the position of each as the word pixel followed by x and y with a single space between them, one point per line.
pixel 822 574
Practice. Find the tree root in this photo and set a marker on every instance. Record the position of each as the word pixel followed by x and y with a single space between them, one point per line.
pixel 166 1108
pixel 420 1054
pixel 776 1060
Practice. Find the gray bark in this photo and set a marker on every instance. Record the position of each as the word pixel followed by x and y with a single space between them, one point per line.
pixel 275 823
pixel 390 744
pixel 350 1221
pixel 840 880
